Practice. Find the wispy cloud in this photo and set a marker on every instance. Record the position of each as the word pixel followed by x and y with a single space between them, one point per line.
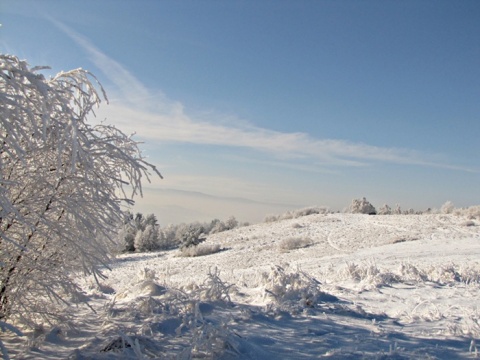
pixel 124 81
pixel 177 126
pixel 154 117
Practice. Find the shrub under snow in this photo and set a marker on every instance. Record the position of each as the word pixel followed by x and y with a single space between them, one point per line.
pixel 148 239
pixel 295 214
pixel 361 206
pixel 199 250
pixel 447 208
pixel 385 210
pixel 142 233
pixel 293 291
pixel 191 235
pixel 293 243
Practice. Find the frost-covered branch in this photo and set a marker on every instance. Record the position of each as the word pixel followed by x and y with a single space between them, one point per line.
pixel 60 180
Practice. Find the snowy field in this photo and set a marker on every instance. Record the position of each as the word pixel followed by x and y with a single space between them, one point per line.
pixel 336 286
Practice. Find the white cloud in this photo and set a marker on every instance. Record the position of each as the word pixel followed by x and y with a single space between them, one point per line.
pixel 176 126
pixel 130 87
pixel 152 116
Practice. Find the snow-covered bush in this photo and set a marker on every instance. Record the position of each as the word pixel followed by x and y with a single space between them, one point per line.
pixel 199 250
pixel 140 233
pixel 385 210
pixel 217 225
pixel 62 185
pixel 397 210
pixel 214 288
pixel 190 235
pixel 271 218
pixel 146 306
pixel 473 212
pixel 231 223
pixel 451 273
pixel 409 272
pixel 361 206
pixel 167 237
pixel 311 210
pixel 293 243
pixel 148 239
pixel 126 236
pixel 447 208
pixel 293 291
pixel 368 275
pixel 294 214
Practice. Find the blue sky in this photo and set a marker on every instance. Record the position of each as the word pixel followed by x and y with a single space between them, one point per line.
pixel 293 103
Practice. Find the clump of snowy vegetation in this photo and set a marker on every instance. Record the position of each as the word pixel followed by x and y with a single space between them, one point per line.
pixel 368 275
pixel 387 210
pixel 361 206
pixel 292 291
pixel 191 235
pixel 295 214
pixel 472 212
pixel 179 318
pixel 447 208
pixel 141 233
pixel 199 250
pixel 293 243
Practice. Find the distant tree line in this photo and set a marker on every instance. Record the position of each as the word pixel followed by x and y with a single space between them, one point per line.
pixel 140 233
pixel 363 206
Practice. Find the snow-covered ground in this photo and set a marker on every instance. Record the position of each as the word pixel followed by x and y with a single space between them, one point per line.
pixel 381 287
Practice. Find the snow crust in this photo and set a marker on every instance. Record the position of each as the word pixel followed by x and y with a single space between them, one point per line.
pixel 358 286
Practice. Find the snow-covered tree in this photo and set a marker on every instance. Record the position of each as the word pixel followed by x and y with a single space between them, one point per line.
pixel 397 210
pixel 190 235
pixel 127 233
pixel 148 239
pixel 447 208
pixel 385 210
pixel 217 226
pixel 231 223
pixel 168 237
pixel 62 184
pixel 139 233
pixel 361 206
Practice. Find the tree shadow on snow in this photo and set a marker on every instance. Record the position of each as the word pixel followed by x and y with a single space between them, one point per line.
pixel 334 333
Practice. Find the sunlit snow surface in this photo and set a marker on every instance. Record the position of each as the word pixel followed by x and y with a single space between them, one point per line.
pixel 385 287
